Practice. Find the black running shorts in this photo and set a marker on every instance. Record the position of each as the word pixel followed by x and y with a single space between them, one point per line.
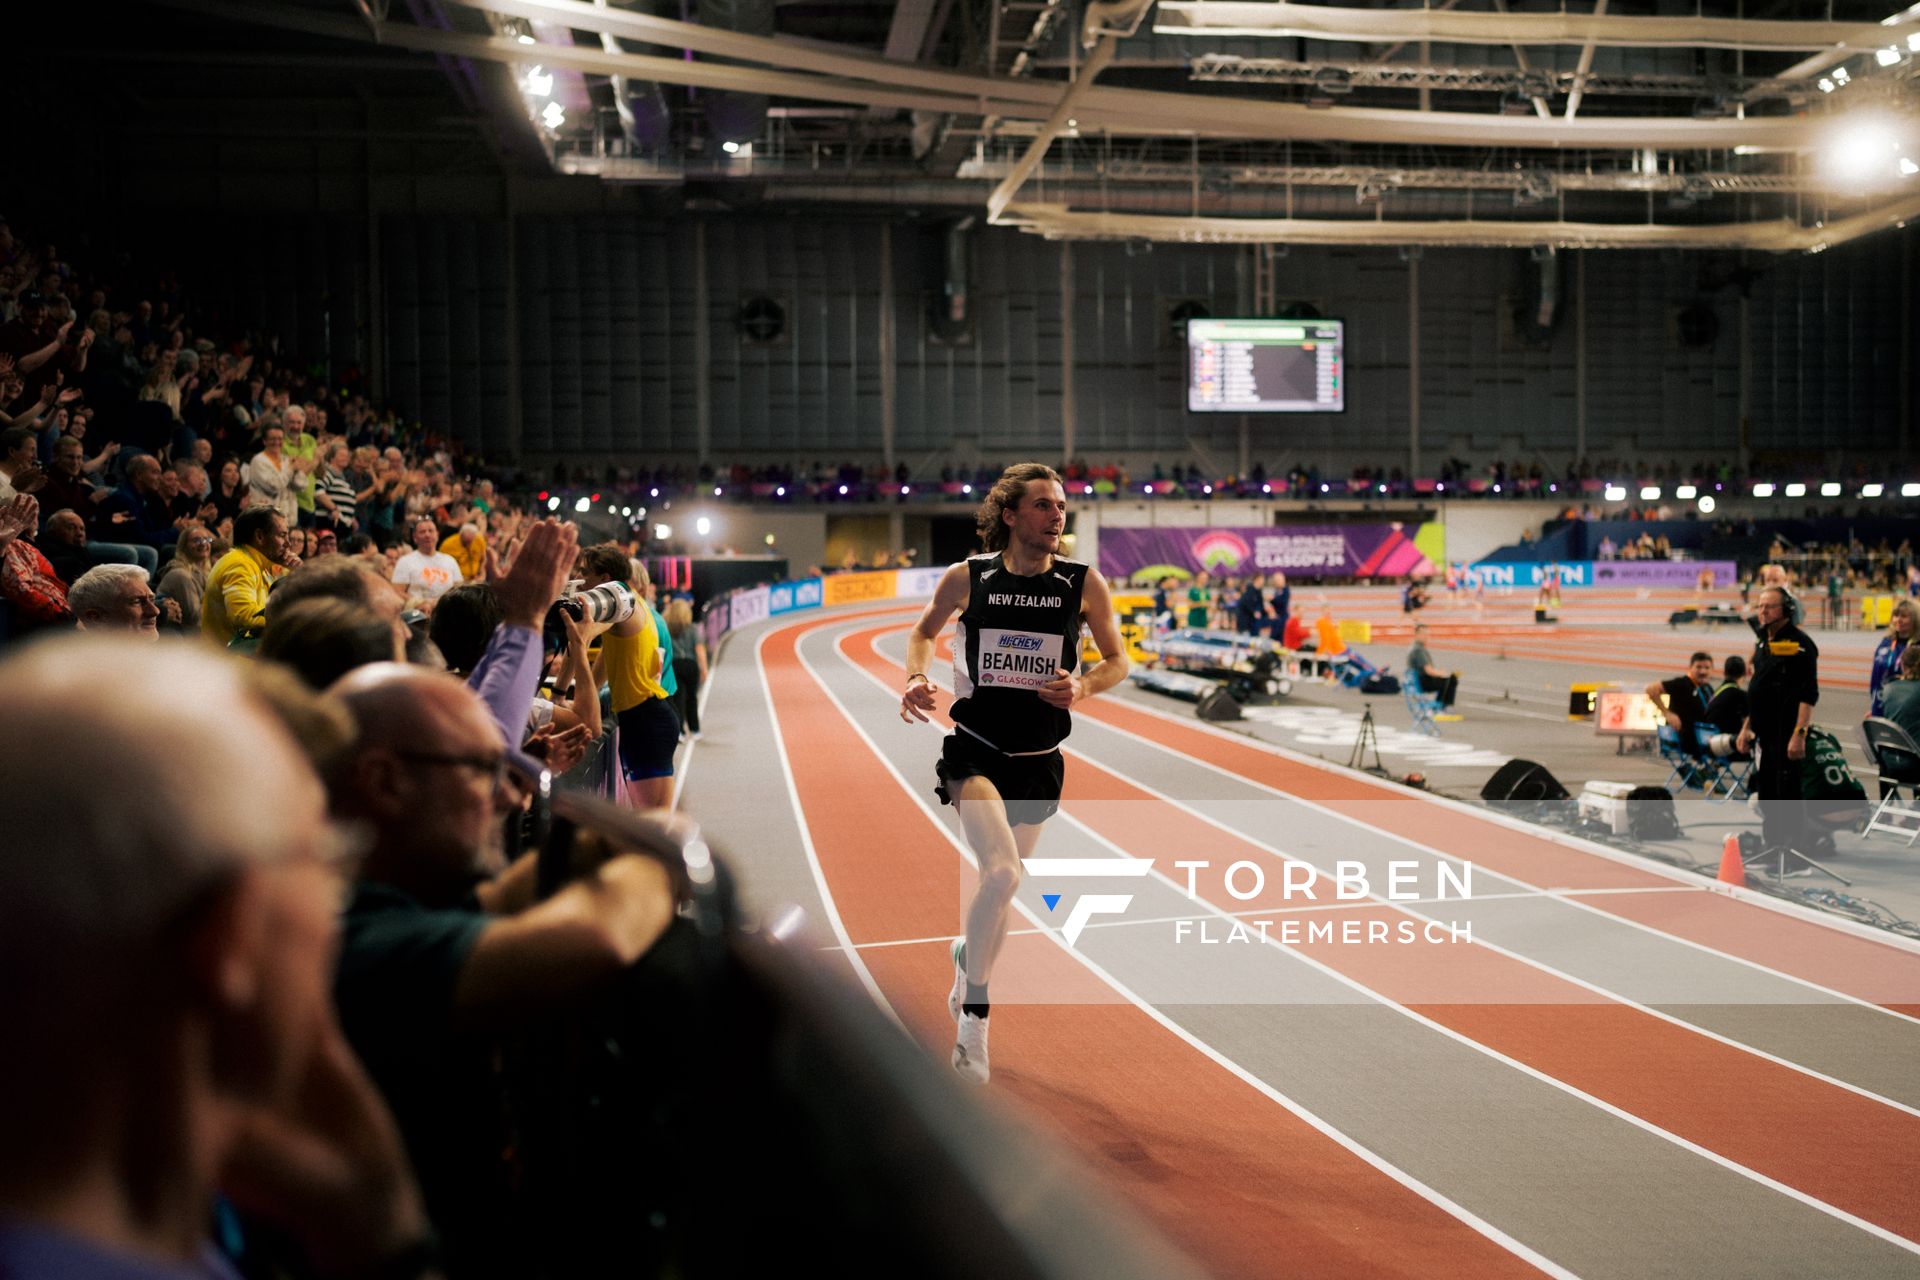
pixel 1030 785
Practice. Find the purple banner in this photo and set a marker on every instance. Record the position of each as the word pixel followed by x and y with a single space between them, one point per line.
pixel 1662 573
pixel 1346 551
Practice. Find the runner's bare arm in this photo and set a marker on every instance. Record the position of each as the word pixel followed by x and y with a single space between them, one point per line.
pixel 949 598
pixel 1096 606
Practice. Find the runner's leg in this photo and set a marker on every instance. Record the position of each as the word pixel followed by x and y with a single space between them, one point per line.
pixel 983 816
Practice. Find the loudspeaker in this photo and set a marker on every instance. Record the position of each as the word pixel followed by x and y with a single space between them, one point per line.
pixel 1523 780
pixel 1217 705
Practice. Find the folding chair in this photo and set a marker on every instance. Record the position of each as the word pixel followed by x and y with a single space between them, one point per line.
pixel 1699 772
pixel 1422 707
pixel 1727 775
pixel 1898 759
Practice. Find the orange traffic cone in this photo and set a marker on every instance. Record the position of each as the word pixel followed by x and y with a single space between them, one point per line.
pixel 1732 870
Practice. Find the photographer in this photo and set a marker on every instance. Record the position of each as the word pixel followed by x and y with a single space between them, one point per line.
pixel 632 661
pixel 443 950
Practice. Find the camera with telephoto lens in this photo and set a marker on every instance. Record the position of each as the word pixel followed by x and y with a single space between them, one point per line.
pixel 610 602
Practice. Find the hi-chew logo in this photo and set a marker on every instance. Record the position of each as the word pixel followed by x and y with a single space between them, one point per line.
pixel 1092 904
pixel 1016 640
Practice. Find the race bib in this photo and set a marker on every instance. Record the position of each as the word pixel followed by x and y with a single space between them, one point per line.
pixel 1017 659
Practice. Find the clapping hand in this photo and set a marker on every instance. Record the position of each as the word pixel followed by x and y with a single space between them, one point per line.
pixel 18 516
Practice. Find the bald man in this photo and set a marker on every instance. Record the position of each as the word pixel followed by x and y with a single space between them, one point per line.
pixel 443 948
pixel 172 1038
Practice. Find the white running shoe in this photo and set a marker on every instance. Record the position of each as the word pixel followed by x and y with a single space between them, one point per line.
pixel 970 1049
pixel 958 995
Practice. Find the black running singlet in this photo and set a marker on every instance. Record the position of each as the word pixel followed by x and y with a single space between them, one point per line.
pixel 1014 636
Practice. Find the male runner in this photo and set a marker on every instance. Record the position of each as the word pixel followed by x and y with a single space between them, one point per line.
pixel 1014 655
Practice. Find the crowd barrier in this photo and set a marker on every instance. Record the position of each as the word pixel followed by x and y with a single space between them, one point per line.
pixel 744 606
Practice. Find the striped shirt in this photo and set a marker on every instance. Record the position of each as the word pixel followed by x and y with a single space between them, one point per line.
pixel 336 486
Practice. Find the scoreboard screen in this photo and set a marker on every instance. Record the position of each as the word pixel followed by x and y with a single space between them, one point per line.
pixel 1266 366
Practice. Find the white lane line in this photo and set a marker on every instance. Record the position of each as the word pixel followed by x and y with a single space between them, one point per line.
pixel 1574 1091
pixel 806 835
pixel 686 760
pixel 1400 1176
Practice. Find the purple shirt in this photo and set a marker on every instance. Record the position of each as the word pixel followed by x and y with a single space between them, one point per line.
pixel 506 678
pixel 29 1251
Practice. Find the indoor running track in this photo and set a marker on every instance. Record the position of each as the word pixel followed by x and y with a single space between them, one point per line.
pixel 1625 1073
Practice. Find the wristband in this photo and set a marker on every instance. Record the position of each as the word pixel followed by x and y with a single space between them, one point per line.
pixel 917 675
pixel 1799 730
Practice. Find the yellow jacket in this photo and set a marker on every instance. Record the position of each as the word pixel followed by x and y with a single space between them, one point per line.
pixel 471 558
pixel 236 596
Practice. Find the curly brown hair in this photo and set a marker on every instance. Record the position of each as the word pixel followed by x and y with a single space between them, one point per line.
pixel 1004 497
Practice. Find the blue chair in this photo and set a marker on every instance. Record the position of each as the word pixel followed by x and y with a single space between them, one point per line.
pixel 1693 769
pixel 1423 707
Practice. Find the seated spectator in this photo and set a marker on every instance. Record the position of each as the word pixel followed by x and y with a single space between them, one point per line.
pixel 20 462
pixel 1886 655
pixel 27 581
pixel 468 548
pixel 185 579
pixel 443 950
pixel 181 1040
pixel 321 638
pixel 1685 699
pixel 69 488
pixel 426 573
pixel 1903 695
pixel 235 603
pixel 1428 678
pixel 1728 710
pixel 229 492
pixel 116 597
pixel 140 498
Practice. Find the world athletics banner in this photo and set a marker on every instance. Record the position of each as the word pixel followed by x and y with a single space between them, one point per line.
pixel 1319 551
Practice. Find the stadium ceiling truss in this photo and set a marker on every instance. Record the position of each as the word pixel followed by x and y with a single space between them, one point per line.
pixel 1453 123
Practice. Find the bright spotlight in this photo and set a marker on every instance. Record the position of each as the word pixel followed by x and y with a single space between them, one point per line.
pixel 1910 490
pixel 554 116
pixel 716 491
pixel 1888 56
pixel 732 148
pixel 583 506
pixel 1763 490
pixel 1706 504
pixel 1146 488
pixel 1841 76
pixel 653 493
pixel 1323 488
pixel 1872 490
pixel 905 489
pixel 1616 493
pixel 1831 489
pixel 966 488
pixel 627 512
pixel 527 40
pixel 1908 168
pixel 1913 43
pixel 1864 151
pixel 1206 488
pixel 663 531
pixel 1826 85
pixel 1496 488
pixel 780 491
pixel 1796 490
pixel 1685 493
pixel 1440 487
pixel 703 526
pixel 539 82
pixel 1650 492
pixel 843 491
pixel 553 504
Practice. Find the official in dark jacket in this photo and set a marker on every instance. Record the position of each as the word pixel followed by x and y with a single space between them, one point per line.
pixel 1780 702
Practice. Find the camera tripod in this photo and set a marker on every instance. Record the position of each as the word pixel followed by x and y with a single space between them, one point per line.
pixel 1364 742
pixel 1782 860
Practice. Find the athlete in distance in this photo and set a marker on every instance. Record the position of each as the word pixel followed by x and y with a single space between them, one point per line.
pixel 1014 654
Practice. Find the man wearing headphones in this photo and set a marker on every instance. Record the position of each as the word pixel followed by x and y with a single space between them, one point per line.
pixel 1780 701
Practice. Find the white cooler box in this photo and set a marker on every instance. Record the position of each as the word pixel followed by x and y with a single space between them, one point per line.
pixel 1606 804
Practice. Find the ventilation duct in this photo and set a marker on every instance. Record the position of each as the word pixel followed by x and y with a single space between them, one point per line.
pixel 733 116
pixel 952 305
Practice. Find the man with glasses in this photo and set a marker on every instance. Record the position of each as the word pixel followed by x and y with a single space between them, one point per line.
pixel 1780 702
pixel 236 600
pixel 445 949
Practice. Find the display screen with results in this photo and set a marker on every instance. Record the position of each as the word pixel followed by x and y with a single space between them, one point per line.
pixel 1266 366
